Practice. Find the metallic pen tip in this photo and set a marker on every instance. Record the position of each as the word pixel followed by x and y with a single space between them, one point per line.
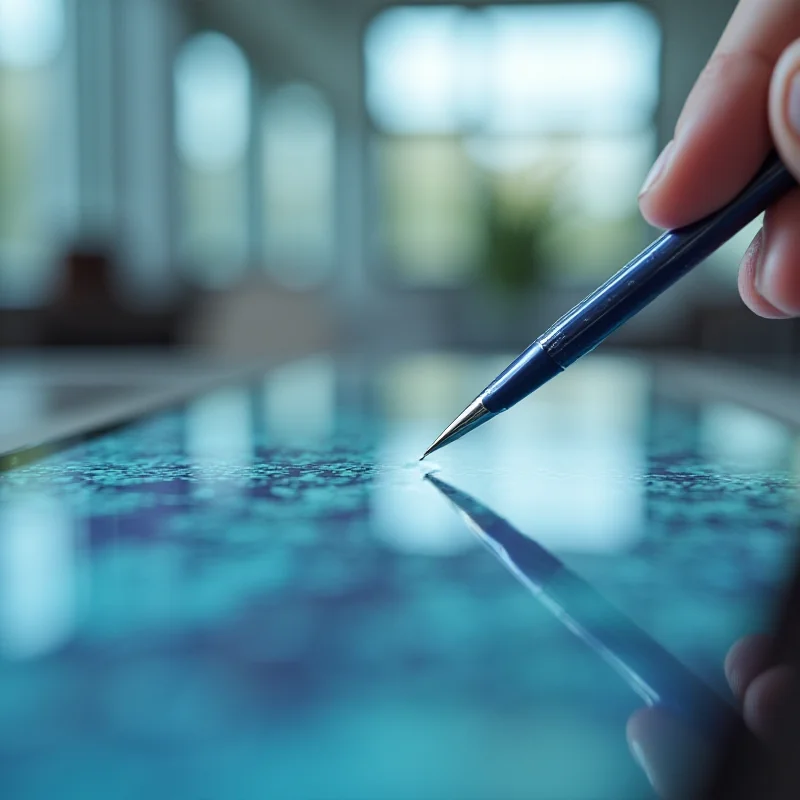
pixel 470 418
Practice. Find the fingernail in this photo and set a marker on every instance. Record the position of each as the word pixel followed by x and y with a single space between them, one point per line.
pixel 640 758
pixel 793 104
pixel 657 169
pixel 768 283
pixel 757 251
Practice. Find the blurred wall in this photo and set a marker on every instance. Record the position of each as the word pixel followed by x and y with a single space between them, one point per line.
pixel 295 210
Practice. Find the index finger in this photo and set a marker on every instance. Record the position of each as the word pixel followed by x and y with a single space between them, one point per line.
pixel 722 135
pixel 761 28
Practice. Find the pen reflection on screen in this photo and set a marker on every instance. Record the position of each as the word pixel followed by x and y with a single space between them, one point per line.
pixel 650 671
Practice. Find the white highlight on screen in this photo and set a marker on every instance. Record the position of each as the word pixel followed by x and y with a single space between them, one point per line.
pixel 37 576
pixel 407 512
pixel 561 467
pixel 566 464
pixel 300 401
pixel 219 428
pixel 744 439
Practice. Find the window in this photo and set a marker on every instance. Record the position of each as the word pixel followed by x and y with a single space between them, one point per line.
pixel 213 95
pixel 431 206
pixel 298 141
pixel 509 121
pixel 31 137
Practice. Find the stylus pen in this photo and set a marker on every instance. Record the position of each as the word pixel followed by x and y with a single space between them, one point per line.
pixel 636 285
pixel 655 675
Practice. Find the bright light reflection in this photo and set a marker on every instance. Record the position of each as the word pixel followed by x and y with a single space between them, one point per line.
pixel 407 512
pixel 412 68
pixel 542 68
pixel 300 401
pixel 219 428
pixel 570 460
pixel 573 67
pixel 37 576
pixel 31 32
pixel 560 467
pixel 744 439
pixel 212 90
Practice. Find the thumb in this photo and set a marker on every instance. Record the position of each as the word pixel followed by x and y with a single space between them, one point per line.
pixel 784 107
pixel 770 276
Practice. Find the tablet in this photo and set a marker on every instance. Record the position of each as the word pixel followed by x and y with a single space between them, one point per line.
pixel 257 594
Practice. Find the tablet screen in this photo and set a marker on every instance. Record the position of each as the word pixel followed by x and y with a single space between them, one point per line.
pixel 257 595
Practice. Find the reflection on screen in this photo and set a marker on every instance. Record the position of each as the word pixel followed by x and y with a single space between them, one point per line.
pixel 562 466
pixel 38 575
pixel 744 440
pixel 262 581
pixel 299 401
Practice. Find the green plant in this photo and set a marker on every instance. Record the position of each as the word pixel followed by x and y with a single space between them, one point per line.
pixel 516 237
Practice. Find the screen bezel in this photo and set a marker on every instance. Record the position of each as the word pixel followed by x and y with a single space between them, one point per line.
pixel 107 421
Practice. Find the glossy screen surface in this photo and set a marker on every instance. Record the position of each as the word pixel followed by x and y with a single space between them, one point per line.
pixel 258 595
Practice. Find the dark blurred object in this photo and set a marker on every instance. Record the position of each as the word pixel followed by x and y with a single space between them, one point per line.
pixel 89 313
pixel 745 771
pixel 258 317
pixel 88 274
pixel 733 331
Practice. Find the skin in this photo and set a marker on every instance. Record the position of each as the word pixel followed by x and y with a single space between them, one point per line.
pixel 669 752
pixel 737 111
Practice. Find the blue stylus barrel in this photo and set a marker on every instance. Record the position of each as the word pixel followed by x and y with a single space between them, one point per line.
pixel 653 271
pixel 667 260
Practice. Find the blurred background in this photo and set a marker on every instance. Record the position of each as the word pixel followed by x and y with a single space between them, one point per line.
pixel 248 178
pixel 187 186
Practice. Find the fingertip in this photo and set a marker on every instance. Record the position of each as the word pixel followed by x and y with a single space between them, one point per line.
pixel 784 107
pixel 651 202
pixel 644 732
pixel 671 754
pixel 764 705
pixel 707 165
pixel 745 660
pixel 748 279
pixel 656 212
pixel 663 199
pixel 776 277
pixel 640 722
pixel 755 302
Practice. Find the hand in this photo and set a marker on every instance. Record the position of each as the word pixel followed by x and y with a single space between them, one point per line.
pixel 671 755
pixel 746 101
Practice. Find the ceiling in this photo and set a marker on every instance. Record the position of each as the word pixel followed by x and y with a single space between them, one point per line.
pixel 320 41
pixel 313 40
